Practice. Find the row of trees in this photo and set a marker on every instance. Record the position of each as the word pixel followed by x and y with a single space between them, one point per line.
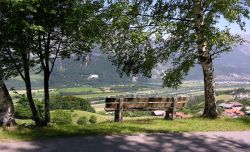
pixel 136 35
pixel 35 33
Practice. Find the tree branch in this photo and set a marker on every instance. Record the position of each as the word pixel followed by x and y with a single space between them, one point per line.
pixel 54 60
pixel 15 64
pixel 165 17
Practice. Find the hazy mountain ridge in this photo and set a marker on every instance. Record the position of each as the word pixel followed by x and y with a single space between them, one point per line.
pixel 231 66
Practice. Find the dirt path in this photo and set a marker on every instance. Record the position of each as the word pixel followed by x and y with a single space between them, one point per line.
pixel 202 142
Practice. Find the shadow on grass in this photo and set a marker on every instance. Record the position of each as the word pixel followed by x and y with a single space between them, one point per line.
pixel 129 127
pixel 135 143
pixel 245 120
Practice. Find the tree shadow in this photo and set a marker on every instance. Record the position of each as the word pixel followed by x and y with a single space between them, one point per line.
pixel 134 143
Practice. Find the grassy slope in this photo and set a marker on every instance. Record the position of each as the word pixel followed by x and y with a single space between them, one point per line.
pixel 77 114
pixel 224 97
pixel 99 107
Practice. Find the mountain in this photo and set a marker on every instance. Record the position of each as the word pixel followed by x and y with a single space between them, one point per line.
pixel 229 66
pixel 234 65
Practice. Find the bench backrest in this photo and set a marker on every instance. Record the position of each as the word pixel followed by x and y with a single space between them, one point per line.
pixel 145 104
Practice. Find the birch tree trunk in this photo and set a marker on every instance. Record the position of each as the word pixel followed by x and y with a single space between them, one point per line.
pixel 6 107
pixel 210 109
pixel 205 60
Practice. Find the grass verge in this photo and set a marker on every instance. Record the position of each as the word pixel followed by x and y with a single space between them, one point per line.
pixel 127 127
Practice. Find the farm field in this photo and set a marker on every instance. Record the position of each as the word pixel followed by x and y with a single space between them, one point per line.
pixel 224 97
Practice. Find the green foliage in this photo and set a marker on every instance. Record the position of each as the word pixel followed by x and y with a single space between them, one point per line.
pixel 70 102
pixel 22 108
pixel 47 30
pixel 93 119
pixel 235 91
pixel 245 101
pixel 220 101
pixel 142 35
pixel 195 100
pixel 241 90
pixel 82 121
pixel 61 117
pixel 220 110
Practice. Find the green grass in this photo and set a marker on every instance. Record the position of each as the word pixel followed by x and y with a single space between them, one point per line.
pixel 127 127
pixel 76 114
pixel 99 107
pixel 224 97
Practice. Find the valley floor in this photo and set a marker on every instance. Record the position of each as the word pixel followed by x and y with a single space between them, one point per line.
pixel 199 142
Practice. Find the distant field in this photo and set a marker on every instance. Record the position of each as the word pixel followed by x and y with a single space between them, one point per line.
pixel 224 97
pixel 99 107
pixel 92 93
pixel 80 89
pixel 101 95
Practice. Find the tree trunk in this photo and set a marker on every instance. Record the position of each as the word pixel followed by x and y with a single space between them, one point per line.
pixel 6 107
pixel 46 97
pixel 205 60
pixel 210 109
pixel 29 90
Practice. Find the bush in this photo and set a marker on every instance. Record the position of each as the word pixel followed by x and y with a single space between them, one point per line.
pixel 93 119
pixel 82 121
pixel 22 108
pixel 61 117
pixel 70 102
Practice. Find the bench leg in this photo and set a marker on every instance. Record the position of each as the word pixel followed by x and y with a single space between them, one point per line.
pixel 118 116
pixel 173 111
pixel 167 115
pixel 173 115
pixel 118 113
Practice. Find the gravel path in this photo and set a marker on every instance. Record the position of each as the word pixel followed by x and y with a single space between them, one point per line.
pixel 187 142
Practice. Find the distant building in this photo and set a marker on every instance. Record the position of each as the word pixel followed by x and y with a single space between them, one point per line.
pixel 233 113
pixel 236 105
pixel 225 106
pixel 231 105
pixel 247 108
pixel 241 96
pixel 158 113
pixel 134 79
pixel 93 76
pixel 232 109
pixel 182 115
pixel 178 114
pixel 247 113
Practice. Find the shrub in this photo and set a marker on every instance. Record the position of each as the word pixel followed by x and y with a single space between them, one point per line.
pixel 82 121
pixel 61 117
pixel 22 108
pixel 70 102
pixel 93 119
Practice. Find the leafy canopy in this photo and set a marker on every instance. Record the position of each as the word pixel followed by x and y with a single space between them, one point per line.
pixel 147 33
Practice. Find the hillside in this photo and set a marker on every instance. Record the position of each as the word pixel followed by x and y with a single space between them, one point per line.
pixel 232 66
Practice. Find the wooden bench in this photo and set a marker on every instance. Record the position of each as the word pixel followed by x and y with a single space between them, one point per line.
pixel 168 104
